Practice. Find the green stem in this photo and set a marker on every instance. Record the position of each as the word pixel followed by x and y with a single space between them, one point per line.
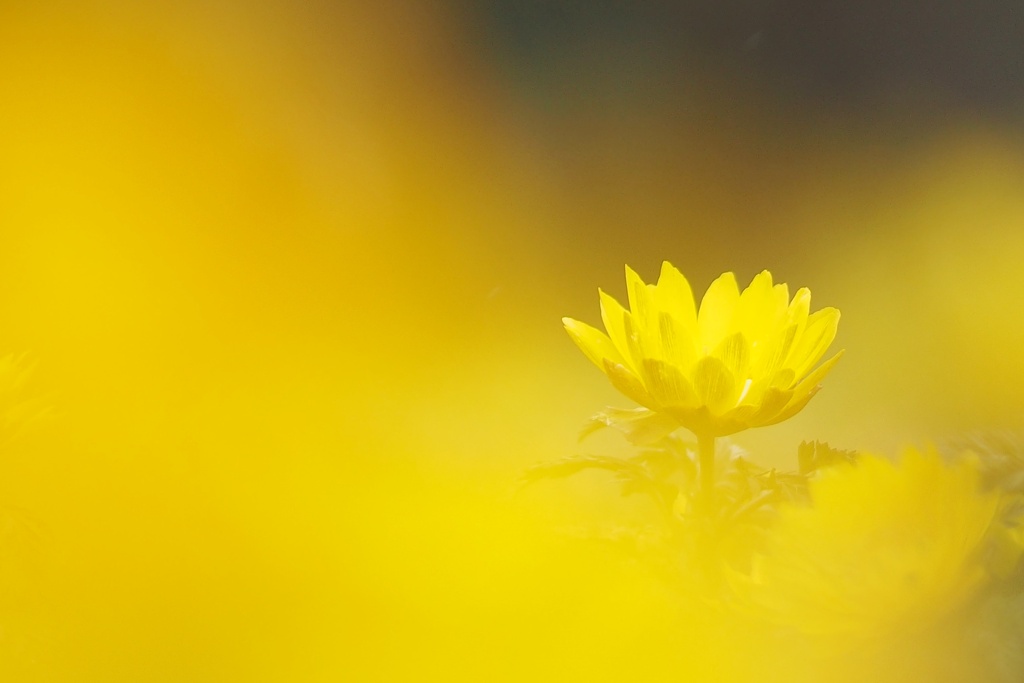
pixel 706 473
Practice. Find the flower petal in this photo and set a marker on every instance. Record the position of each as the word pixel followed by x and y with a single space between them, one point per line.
pixel 594 343
pixel 799 306
pixel 797 313
pixel 675 296
pixel 773 402
pixel 768 356
pixel 646 330
pixel 641 299
pixel 717 310
pixel 613 315
pixel 629 384
pixel 677 342
pixel 714 384
pixel 668 386
pixel 815 340
pixel 756 312
pixel 780 293
pixel 784 379
pixel 806 390
pixel 734 351
pixel 640 344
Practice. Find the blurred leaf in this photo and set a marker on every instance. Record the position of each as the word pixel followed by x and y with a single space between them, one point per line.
pixel 815 455
pixel 641 426
pixel 635 476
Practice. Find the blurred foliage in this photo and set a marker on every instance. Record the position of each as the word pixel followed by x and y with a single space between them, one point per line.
pixel 746 494
pixel 716 557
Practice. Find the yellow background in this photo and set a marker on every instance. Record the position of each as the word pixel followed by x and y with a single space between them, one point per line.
pixel 292 275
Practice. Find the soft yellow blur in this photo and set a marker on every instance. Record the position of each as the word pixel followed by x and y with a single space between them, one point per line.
pixel 888 548
pixel 291 275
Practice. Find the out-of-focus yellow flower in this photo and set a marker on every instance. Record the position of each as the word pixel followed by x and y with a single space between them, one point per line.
pixel 884 549
pixel 743 360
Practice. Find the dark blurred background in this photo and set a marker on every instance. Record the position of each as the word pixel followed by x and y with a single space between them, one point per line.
pixel 904 62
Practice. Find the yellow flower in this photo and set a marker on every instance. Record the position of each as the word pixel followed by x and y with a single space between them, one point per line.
pixel 885 549
pixel 743 360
